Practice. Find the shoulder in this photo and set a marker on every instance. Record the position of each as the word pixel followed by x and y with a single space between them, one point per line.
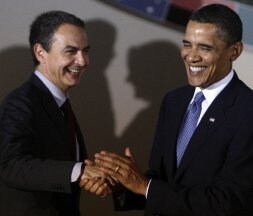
pixel 21 93
pixel 245 96
pixel 179 94
pixel 31 89
pixel 22 99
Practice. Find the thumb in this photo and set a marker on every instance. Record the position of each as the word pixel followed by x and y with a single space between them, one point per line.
pixel 89 162
pixel 129 154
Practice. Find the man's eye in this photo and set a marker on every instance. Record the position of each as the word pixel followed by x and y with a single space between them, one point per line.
pixel 206 48
pixel 70 51
pixel 186 45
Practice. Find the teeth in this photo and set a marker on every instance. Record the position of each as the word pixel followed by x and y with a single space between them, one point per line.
pixel 197 69
pixel 73 71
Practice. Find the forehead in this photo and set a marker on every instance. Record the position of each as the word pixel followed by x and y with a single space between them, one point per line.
pixel 196 31
pixel 68 34
pixel 205 33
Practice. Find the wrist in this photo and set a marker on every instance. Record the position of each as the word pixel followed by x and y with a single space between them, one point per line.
pixel 81 171
pixel 144 187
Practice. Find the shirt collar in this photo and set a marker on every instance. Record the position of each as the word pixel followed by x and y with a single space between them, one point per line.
pixel 58 95
pixel 212 91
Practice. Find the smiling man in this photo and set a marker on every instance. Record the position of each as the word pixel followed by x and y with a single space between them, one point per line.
pixel 41 145
pixel 207 55
pixel 201 163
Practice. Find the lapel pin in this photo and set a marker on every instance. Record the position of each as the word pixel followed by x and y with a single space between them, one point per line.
pixel 212 119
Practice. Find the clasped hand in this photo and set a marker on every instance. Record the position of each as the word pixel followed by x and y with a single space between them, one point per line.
pixel 111 170
pixel 94 180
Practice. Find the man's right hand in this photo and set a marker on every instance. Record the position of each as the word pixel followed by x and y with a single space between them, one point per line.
pixel 94 180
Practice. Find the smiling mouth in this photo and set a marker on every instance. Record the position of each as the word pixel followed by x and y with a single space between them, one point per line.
pixel 74 71
pixel 196 70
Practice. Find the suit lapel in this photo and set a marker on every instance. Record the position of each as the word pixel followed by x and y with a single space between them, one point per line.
pixel 178 108
pixel 54 113
pixel 212 120
pixel 82 150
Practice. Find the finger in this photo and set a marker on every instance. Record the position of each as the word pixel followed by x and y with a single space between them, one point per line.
pixel 129 154
pixel 111 180
pixel 107 164
pixel 112 156
pixel 111 161
pixel 104 190
pixel 116 176
pixel 83 182
pixel 97 184
pixel 89 162
pixel 92 172
pixel 101 188
pixel 89 184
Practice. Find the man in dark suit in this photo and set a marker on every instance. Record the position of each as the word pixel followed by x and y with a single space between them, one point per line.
pixel 208 171
pixel 40 159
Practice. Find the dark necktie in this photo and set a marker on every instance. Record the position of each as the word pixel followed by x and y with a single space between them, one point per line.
pixel 188 125
pixel 70 120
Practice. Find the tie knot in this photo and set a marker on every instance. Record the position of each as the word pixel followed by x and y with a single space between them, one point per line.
pixel 199 97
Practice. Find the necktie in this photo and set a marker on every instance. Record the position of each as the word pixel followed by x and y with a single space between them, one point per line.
pixel 70 120
pixel 189 124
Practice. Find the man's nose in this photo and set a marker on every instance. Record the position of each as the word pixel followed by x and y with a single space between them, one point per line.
pixel 193 55
pixel 82 59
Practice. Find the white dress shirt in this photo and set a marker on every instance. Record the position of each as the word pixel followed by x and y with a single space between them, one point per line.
pixel 60 98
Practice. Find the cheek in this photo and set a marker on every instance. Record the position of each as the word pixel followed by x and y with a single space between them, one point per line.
pixel 212 70
pixel 87 60
pixel 210 75
pixel 183 53
pixel 217 64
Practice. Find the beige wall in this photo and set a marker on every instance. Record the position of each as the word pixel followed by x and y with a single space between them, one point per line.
pixel 133 63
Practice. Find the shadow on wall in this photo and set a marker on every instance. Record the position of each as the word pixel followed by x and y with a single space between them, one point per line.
pixel 91 98
pixel 154 69
pixel 92 105
pixel 17 66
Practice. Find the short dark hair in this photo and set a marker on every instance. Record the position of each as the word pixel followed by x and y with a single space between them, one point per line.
pixel 44 26
pixel 227 21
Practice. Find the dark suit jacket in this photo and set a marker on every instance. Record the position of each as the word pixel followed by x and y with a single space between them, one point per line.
pixel 35 159
pixel 215 176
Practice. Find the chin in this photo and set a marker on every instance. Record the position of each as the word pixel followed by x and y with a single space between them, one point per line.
pixel 194 84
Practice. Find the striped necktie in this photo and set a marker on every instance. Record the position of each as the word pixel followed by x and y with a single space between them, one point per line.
pixel 188 125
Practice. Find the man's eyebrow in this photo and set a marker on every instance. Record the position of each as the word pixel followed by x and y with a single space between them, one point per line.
pixel 185 41
pixel 200 44
pixel 87 47
pixel 206 45
pixel 70 47
pixel 76 48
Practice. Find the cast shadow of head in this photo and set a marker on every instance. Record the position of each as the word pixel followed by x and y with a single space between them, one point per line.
pixel 154 69
pixel 16 66
pixel 92 104
pixel 91 98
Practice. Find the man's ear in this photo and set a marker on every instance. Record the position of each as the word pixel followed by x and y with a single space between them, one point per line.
pixel 39 52
pixel 236 50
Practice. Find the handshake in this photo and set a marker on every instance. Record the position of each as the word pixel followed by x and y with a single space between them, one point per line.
pixel 110 171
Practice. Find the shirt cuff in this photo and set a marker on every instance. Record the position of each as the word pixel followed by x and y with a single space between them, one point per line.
pixel 146 195
pixel 76 172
